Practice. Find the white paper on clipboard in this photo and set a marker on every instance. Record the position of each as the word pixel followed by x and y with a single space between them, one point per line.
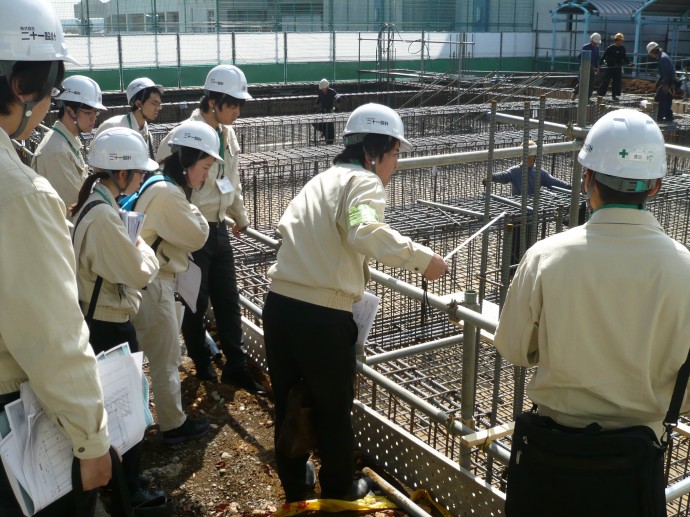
pixel 364 314
pixel 187 285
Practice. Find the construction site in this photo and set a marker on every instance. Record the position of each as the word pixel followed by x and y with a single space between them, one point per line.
pixel 435 403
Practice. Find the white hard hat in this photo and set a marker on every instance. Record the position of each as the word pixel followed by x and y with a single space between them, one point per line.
pixel 323 83
pixel 595 37
pixel 139 84
pixel 625 143
pixel 79 88
pixel 120 148
pixel 30 30
pixel 652 45
pixel 227 79
pixel 197 135
pixel 378 119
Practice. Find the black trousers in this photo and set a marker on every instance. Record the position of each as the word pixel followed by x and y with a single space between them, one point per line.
pixel 104 335
pixel 219 284
pixel 665 100
pixel 63 507
pixel 614 74
pixel 316 345
pixel 328 130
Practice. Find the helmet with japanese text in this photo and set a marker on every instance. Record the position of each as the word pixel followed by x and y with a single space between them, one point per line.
pixel 82 89
pixel 378 119
pixel 30 30
pixel 227 79
pixel 626 144
pixel 120 148
pixel 140 84
pixel 197 135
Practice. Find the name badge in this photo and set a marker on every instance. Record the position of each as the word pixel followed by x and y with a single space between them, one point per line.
pixel 225 186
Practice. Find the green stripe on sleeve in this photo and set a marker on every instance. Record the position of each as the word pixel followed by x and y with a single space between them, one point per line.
pixel 361 214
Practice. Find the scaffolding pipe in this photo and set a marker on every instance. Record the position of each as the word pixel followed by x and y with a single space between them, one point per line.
pixel 448 421
pixel 562 129
pixel 426 162
pixel 414 349
pixel 455 311
pixel 469 372
pixel 678 490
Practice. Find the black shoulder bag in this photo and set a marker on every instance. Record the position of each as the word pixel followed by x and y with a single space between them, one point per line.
pixel 99 279
pixel 565 471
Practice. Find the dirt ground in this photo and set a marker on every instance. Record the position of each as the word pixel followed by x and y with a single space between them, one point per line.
pixel 229 472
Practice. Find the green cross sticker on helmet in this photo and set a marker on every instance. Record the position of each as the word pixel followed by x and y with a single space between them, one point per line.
pixel 625 143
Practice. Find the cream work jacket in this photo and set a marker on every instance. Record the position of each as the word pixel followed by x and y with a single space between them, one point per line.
pixel 602 311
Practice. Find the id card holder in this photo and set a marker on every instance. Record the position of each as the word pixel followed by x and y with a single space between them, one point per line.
pixel 225 186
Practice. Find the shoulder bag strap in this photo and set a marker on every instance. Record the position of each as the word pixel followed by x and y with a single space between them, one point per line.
pixel 678 392
pixel 99 279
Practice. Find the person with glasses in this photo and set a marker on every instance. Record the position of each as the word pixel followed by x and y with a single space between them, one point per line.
pixel 110 267
pixel 43 337
pixel 59 156
pixel 145 99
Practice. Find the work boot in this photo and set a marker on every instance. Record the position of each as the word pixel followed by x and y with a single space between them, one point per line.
pixel 309 485
pixel 190 429
pixel 206 372
pixel 241 378
pixel 146 497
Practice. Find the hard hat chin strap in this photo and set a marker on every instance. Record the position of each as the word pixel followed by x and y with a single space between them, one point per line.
pixel 28 107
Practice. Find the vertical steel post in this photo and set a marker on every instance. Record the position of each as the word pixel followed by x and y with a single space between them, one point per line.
pixel 469 374
pixel 581 122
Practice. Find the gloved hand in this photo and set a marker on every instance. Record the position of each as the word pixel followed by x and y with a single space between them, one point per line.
pixel 484 181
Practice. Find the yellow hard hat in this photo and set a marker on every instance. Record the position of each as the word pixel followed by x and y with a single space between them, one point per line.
pixel 619 35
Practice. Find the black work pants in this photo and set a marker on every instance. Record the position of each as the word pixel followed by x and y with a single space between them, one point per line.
pixel 615 75
pixel 665 100
pixel 315 345
pixel 104 335
pixel 219 284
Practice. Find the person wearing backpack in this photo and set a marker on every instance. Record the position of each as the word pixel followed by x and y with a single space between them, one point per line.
pixel 174 228
pixel 110 267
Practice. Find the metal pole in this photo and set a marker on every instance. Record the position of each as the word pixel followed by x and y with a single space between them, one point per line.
pixel 414 349
pixel 454 426
pixel 218 32
pixel 580 132
pixel 525 180
pixel 426 162
pixel 576 180
pixel 119 62
pixel 469 373
pixel 487 201
pixel 537 170
pixel 285 56
pixel 179 60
